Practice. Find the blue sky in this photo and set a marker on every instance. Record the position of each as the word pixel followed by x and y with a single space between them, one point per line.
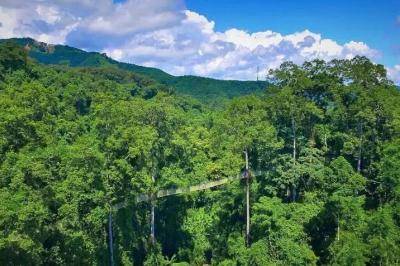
pixel 374 22
pixel 226 39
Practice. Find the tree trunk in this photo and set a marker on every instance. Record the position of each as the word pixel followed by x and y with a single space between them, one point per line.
pixel 293 192
pixel 294 138
pixel 247 201
pixel 359 159
pixel 110 238
pixel 152 218
pixel 338 228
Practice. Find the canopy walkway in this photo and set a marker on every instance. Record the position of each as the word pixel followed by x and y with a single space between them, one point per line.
pixel 182 190
pixel 152 197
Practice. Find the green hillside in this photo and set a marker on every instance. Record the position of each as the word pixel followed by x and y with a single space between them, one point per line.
pixel 205 89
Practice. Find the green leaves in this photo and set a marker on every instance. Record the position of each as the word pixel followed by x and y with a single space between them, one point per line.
pixel 198 224
pixel 344 180
pixel 75 142
pixel 12 57
pixel 280 227
pixel 24 223
pixel 389 172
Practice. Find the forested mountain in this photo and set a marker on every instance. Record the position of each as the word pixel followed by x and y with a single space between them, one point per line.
pixel 76 141
pixel 204 89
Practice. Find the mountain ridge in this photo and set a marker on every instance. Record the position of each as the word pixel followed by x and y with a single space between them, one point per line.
pixel 202 88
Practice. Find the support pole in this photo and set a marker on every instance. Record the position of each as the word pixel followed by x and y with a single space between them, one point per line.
pixel 247 201
pixel 110 238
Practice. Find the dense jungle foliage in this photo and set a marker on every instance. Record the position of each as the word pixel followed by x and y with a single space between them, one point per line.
pixel 76 141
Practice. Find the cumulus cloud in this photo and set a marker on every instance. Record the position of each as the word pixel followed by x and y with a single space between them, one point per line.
pixel 161 33
pixel 89 24
pixel 394 74
pixel 194 47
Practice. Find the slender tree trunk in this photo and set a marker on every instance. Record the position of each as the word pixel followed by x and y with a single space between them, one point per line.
pixel 152 218
pixel 110 239
pixel 247 201
pixel 152 229
pixel 294 138
pixel 338 228
pixel 359 159
pixel 293 192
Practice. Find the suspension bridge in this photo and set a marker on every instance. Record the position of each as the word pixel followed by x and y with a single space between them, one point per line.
pixel 152 197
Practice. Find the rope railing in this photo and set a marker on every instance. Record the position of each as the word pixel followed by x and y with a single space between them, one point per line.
pixel 183 190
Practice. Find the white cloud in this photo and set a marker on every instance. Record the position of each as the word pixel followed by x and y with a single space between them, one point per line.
pixel 194 47
pixel 49 14
pixel 161 33
pixel 134 16
pixel 8 21
pixel 86 23
pixel 394 74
